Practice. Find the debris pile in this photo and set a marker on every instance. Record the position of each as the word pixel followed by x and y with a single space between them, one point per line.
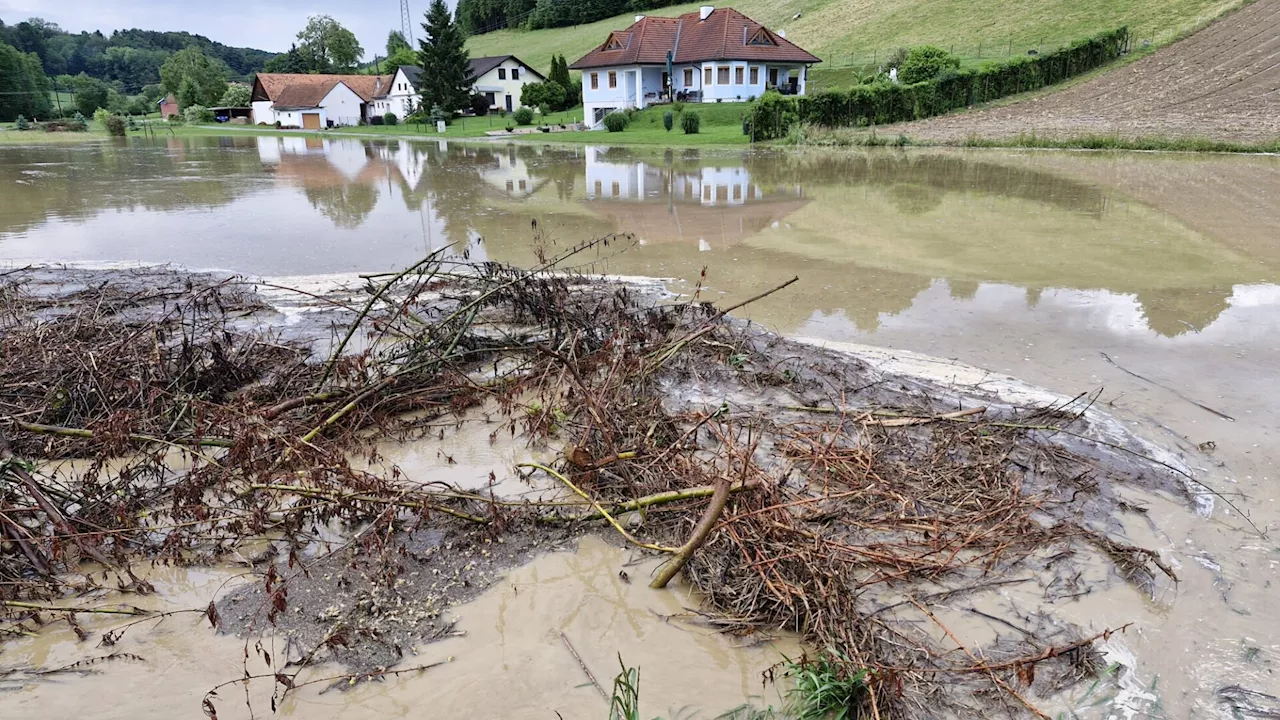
pixel 799 489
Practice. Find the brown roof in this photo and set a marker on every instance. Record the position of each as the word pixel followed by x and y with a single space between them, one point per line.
pixel 724 35
pixel 302 90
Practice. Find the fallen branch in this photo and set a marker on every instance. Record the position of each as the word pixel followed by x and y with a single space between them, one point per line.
pixel 599 509
pixel 699 536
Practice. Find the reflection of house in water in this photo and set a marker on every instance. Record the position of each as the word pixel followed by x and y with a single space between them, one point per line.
pixel 714 206
pixel 508 173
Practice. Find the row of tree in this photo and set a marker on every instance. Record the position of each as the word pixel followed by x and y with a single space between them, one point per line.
pixel 130 59
pixel 481 16
pixel 24 88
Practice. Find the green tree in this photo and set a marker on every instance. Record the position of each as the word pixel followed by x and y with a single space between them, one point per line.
pixel 290 62
pixel 396 43
pixel 546 95
pixel 327 46
pixel 925 63
pixel 560 76
pixel 188 94
pixel 237 95
pixel 206 76
pixel 442 55
pixel 24 88
pixel 91 93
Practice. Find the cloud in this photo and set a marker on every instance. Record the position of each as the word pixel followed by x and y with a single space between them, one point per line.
pixel 242 23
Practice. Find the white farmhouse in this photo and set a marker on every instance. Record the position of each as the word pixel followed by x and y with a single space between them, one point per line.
pixel 712 55
pixel 313 102
pixel 402 95
pixel 501 79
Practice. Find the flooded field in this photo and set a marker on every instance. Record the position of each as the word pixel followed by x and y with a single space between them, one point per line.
pixel 1155 278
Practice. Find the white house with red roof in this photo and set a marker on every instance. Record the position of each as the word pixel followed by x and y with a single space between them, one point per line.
pixel 712 55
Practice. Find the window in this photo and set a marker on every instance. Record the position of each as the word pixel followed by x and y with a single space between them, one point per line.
pixel 737 192
pixel 524 185
pixel 599 188
pixel 595 81
pixel 762 37
pixel 722 76
pixel 617 190
pixel 515 73
pixel 613 79
pixel 706 193
pixel 738 74
pixel 773 77
pixel 688 77
pixel 614 42
pixel 502 73
pixel 755 76
pixel 706 76
pixel 510 186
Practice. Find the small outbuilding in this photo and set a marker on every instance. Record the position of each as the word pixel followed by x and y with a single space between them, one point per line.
pixel 168 106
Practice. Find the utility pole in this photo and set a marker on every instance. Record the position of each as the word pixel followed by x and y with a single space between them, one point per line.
pixel 406 22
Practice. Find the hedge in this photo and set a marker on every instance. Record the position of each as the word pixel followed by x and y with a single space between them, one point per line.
pixel 882 103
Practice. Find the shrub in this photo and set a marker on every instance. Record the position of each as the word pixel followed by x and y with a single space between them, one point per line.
pixel 438 114
pixel 375 120
pixel 668 120
pixel 100 116
pixel 65 126
pixel 115 125
pixel 523 116
pixel 690 122
pixel 882 103
pixel 21 123
pixel 511 128
pixel 616 122
pixel 925 63
pixel 80 118
pixel 390 119
pixel 197 114
pixel 479 104
pixel 544 94
pixel 677 107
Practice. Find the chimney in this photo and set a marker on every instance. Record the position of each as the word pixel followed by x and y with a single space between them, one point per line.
pixel 705 11
pixel 782 34
pixel 377 86
pixel 639 18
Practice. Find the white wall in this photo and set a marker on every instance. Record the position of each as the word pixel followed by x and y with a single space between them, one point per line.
pixel 490 82
pixel 342 106
pixel 263 113
pixel 604 98
pixel 293 118
pixel 402 99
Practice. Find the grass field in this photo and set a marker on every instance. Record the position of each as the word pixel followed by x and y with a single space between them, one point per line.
pixel 849 33
pixel 463 127
pixel 721 125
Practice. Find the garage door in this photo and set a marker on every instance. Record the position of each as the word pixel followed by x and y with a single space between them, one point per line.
pixel 311 121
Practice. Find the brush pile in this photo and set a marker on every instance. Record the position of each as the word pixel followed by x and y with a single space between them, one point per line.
pixel 805 490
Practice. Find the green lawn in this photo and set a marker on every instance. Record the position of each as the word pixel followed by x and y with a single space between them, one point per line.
pixel 856 33
pixel 721 125
pixel 462 127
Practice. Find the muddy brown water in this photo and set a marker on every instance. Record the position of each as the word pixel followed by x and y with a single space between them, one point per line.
pixel 1155 277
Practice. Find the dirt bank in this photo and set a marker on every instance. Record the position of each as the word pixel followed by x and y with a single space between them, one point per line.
pixel 1222 83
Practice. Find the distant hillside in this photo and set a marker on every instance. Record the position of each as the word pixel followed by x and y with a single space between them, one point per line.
pixel 130 57
pixel 856 32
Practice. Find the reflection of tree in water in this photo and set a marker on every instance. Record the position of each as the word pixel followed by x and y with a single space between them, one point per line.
pixel 940 173
pixel 963 289
pixel 915 199
pixel 348 206
pixel 1173 312
pixel 60 182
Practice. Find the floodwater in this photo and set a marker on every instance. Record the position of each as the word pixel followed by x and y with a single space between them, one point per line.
pixel 1155 277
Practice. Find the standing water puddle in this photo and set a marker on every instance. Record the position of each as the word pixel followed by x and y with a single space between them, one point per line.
pixel 1154 277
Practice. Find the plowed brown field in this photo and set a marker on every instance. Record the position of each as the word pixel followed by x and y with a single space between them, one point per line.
pixel 1221 83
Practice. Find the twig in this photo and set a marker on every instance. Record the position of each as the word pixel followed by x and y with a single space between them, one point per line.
pixel 697 538
pixel 599 509
pixel 584 667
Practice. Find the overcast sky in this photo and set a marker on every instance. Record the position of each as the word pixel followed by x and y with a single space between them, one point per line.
pixel 266 25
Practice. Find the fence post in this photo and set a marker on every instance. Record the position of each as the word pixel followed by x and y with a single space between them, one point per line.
pixel 979 49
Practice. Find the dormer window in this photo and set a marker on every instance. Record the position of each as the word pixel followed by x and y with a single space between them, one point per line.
pixel 762 37
pixel 615 42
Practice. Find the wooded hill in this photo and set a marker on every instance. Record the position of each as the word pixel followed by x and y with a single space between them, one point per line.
pixel 131 58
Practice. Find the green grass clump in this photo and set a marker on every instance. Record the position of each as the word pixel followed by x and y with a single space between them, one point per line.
pixel 828 688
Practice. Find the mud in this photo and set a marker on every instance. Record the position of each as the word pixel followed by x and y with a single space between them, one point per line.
pixel 506 658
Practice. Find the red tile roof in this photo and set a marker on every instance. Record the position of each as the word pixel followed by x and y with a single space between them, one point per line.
pixel 724 35
pixel 302 90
